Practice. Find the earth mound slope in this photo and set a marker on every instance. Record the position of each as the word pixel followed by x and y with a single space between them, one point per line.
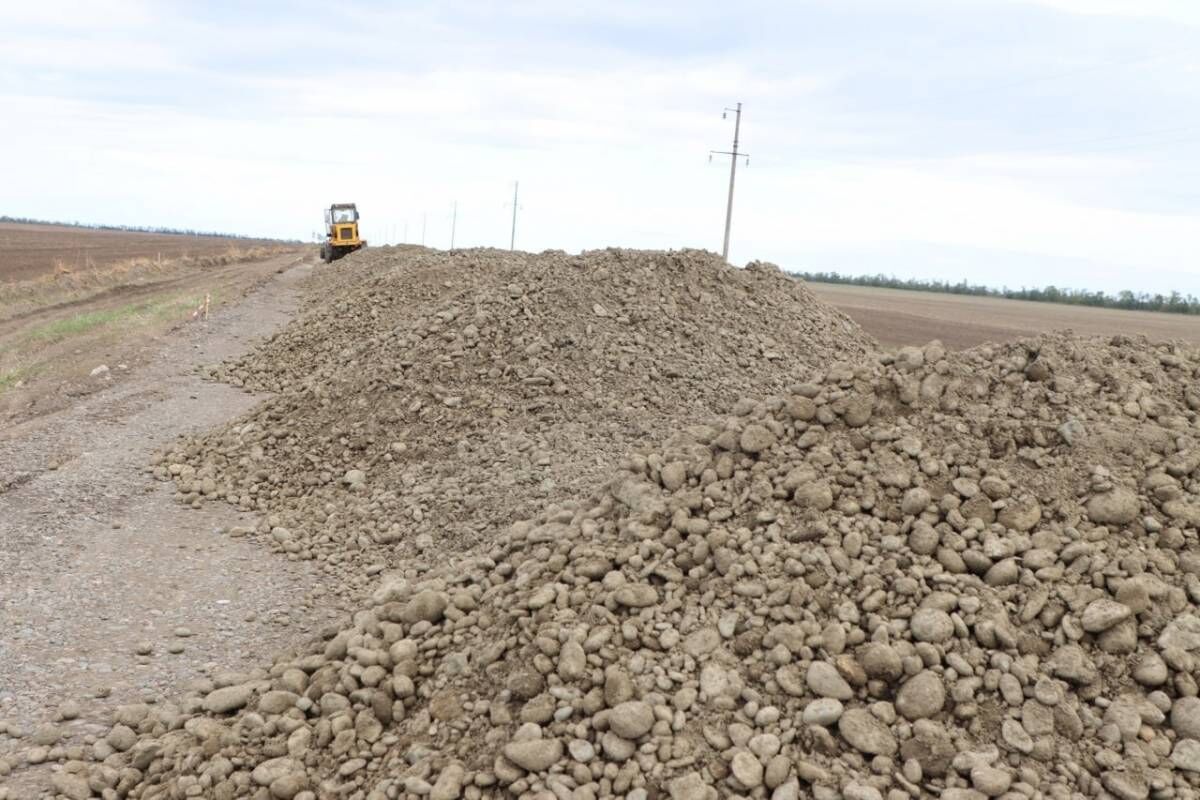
pixel 968 575
pixel 446 393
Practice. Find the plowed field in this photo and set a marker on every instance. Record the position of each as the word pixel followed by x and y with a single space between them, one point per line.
pixel 896 317
pixel 30 251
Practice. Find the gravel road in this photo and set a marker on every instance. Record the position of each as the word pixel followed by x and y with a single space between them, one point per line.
pixel 112 592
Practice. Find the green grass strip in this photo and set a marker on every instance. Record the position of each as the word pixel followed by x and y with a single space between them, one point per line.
pixel 135 313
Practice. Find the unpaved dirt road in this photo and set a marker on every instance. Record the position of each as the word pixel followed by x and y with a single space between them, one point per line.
pixel 896 317
pixel 99 561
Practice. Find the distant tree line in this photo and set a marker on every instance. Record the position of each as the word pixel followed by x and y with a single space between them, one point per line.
pixel 1173 303
pixel 139 229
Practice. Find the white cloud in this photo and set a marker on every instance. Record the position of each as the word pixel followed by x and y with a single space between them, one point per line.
pixel 1180 11
pixel 957 208
pixel 81 15
pixel 60 53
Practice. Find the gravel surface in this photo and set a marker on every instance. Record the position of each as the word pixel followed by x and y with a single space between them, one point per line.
pixel 113 593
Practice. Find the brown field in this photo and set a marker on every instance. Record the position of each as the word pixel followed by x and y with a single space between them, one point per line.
pixel 896 317
pixel 74 299
pixel 48 350
pixel 31 251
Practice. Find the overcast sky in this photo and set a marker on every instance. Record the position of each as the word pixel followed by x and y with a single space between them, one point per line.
pixel 1008 142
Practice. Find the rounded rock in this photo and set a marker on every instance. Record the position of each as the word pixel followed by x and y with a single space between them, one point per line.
pixel 536 755
pixel 268 772
pixel 881 662
pixel 427 606
pixel 866 734
pixel 1185 717
pixel 1118 507
pixel 230 698
pixel 636 595
pixel 824 680
pixel 824 712
pixel 931 625
pixel 922 696
pixel 991 781
pixel 915 501
pixel 121 738
pixel 631 720
pixel 1186 755
pixel 1151 670
pixel 747 769
pixel 1100 615
pixel 756 438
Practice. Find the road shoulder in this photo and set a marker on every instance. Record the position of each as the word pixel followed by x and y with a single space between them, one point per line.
pixel 101 564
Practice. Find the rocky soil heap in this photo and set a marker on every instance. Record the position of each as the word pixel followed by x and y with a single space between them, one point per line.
pixel 971 575
pixel 961 575
pixel 451 393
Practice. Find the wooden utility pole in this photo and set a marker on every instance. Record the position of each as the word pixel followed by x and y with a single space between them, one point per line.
pixel 733 159
pixel 512 239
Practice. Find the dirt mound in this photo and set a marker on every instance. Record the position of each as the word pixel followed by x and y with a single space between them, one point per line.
pixel 449 393
pixel 968 575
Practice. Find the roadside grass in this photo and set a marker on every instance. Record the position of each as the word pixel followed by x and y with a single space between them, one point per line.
pixel 10 378
pixel 134 314
pixel 45 360
pixel 38 351
pixel 72 283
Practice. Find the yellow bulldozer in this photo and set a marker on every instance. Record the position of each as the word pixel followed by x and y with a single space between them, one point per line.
pixel 341 232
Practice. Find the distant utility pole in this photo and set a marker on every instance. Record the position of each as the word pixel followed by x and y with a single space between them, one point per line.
pixel 406 231
pixel 424 219
pixel 512 239
pixel 453 224
pixel 733 159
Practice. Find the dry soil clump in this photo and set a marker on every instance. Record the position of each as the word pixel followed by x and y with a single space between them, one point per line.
pixel 967 576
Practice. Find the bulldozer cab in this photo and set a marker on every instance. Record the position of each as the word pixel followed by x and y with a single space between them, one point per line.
pixel 343 213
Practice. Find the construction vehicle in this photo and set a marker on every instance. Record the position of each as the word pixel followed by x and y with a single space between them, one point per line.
pixel 341 232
